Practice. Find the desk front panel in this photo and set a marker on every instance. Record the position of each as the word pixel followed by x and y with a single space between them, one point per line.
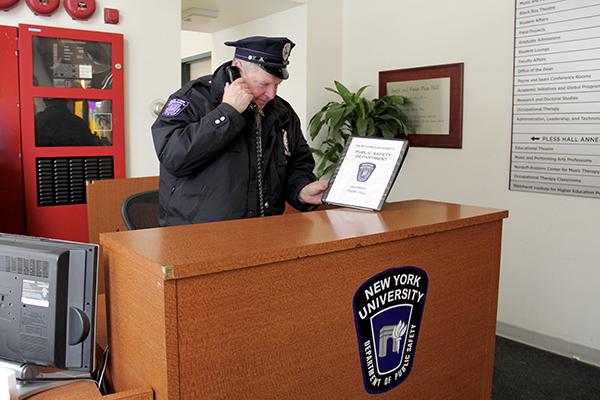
pixel 286 330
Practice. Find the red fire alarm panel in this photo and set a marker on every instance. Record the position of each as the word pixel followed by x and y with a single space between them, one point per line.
pixel 71 94
pixel 80 9
pixel 43 7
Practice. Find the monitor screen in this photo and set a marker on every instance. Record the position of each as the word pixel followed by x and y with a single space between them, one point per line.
pixel 48 302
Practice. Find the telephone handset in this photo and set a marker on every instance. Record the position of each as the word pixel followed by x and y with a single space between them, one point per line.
pixel 233 73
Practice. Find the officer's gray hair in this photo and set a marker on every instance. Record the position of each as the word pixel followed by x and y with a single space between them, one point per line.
pixel 247 65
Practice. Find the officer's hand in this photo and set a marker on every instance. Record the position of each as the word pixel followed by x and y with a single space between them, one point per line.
pixel 313 192
pixel 238 95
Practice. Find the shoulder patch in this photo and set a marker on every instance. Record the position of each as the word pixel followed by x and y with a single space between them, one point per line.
pixel 174 107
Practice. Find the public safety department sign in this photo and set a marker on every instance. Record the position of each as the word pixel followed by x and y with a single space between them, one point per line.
pixel 387 311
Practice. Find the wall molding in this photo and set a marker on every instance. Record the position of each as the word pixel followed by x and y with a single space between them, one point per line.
pixel 578 352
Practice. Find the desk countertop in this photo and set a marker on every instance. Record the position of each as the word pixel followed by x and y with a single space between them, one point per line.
pixel 73 391
pixel 201 249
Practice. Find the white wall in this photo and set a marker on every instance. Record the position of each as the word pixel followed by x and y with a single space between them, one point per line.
pixel 152 63
pixel 324 51
pixel 195 43
pixel 315 61
pixel 291 24
pixel 551 252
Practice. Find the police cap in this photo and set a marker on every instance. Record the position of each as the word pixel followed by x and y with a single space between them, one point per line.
pixel 270 53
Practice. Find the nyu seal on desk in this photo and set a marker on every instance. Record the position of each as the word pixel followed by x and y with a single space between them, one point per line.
pixel 387 312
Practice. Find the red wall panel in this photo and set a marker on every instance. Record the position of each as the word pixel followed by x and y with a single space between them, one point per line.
pixel 11 175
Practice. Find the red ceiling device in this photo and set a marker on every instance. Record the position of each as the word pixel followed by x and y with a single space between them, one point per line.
pixel 80 9
pixel 43 7
pixel 7 4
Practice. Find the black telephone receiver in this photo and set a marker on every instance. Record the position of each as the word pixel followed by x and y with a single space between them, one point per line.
pixel 233 73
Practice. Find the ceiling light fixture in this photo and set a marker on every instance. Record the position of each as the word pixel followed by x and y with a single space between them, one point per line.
pixel 189 13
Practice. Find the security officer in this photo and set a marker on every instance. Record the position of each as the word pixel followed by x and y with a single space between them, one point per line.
pixel 229 147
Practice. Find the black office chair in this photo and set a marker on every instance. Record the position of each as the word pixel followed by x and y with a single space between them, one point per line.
pixel 140 210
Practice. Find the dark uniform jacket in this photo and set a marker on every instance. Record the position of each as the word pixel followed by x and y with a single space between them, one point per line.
pixel 207 153
pixel 58 126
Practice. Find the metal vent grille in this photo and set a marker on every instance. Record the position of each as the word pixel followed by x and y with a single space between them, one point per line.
pixel 61 181
pixel 24 266
pixel 35 344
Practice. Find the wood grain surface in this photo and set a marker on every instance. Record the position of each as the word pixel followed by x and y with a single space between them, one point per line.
pixel 105 198
pixel 262 308
pixel 87 390
pixel 191 250
pixel 73 391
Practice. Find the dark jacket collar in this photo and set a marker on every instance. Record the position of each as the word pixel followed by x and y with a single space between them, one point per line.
pixel 217 83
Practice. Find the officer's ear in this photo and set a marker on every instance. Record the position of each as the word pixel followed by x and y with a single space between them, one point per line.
pixel 237 63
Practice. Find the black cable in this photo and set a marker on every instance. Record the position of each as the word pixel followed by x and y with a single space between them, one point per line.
pixel 101 383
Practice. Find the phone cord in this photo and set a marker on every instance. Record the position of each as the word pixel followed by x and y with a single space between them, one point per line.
pixel 259 156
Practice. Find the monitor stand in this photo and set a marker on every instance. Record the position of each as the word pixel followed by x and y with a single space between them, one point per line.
pixel 31 381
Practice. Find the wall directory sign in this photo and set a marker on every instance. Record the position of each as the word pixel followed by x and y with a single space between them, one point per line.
pixel 556 98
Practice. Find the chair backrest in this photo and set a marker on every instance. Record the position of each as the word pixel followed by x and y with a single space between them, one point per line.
pixel 140 210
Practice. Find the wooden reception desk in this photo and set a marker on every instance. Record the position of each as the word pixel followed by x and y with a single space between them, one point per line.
pixel 262 308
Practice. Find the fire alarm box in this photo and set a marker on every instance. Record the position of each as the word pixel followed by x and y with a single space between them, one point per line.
pixel 7 4
pixel 80 9
pixel 43 7
pixel 71 90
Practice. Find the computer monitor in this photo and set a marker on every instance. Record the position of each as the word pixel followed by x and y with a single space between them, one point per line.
pixel 48 302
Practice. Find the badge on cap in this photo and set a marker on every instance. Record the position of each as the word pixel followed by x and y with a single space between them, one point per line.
pixel 174 107
pixel 285 53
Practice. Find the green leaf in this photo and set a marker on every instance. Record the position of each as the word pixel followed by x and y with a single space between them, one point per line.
pixel 370 106
pixel 321 168
pixel 361 127
pixel 391 119
pixel 335 116
pixel 315 129
pixel 387 133
pixel 359 92
pixel 330 153
pixel 324 167
pixel 354 115
pixel 350 108
pixel 315 125
pixel 329 169
pixel 316 151
pixel 344 92
pixel 362 111
pixel 370 128
pixel 393 99
pixel 332 90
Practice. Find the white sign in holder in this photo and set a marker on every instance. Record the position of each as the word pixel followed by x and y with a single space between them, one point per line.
pixel 366 172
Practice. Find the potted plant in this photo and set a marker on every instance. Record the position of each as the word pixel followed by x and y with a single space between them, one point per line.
pixel 354 116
